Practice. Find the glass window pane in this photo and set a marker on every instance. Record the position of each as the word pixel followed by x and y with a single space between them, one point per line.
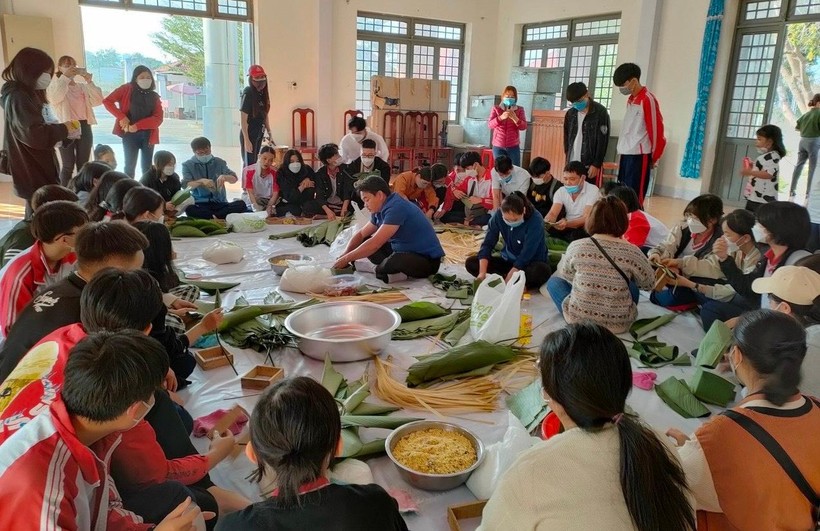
pixel 395 59
pixel 367 66
pixel 762 9
pixel 423 61
pixel 449 61
pixel 532 58
pixel 200 6
pixel 546 32
pixel 381 25
pixel 580 64
pixel 237 8
pixel 607 56
pixel 751 85
pixel 435 31
pixel 556 58
pixel 807 7
pixel 598 27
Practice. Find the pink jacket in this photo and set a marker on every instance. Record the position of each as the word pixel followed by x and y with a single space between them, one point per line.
pixel 505 132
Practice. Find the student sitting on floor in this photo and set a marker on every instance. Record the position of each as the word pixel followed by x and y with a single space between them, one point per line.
pixel 398 238
pixel 143 204
pixel 334 188
pixel 610 471
pixel 207 175
pixel 19 237
pixel 86 179
pixel 48 261
pixel 694 237
pixel 525 248
pixel 476 187
pixel 732 471
pixel 417 186
pixel 599 277
pixel 544 185
pixel 645 231
pixel 163 177
pixel 115 199
pixel 95 204
pixel 295 434
pixel 259 181
pixel 369 162
pixel 62 456
pixel 576 198
pixel 451 209
pixel 297 185
pixel 508 178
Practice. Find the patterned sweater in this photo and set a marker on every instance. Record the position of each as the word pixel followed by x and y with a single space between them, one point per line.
pixel 599 293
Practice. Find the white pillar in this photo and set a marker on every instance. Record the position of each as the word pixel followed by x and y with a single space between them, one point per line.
pixel 221 114
pixel 328 128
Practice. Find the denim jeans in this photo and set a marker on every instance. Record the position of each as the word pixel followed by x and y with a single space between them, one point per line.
pixel 134 144
pixel 806 150
pixel 513 152
pixel 559 289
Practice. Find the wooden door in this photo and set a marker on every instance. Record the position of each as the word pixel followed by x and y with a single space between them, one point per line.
pixel 548 138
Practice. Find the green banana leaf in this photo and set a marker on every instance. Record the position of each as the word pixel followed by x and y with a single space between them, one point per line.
pixel 356 397
pixel 210 287
pixel 528 403
pixel 351 443
pixel 375 421
pixel 331 378
pixel 366 409
pixel 714 345
pixel 371 448
pixel 641 327
pixel 242 313
pixel 481 371
pixel 679 397
pixel 416 311
pixel 457 360
pixel 429 327
pixel 459 331
pixel 711 388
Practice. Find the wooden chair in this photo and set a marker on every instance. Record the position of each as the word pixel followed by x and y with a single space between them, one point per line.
pixel 412 129
pixel 392 127
pixel 609 172
pixel 443 155
pixel 305 140
pixel 350 113
pixel 429 129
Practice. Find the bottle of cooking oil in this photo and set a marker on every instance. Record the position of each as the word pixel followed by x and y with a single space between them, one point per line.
pixel 525 324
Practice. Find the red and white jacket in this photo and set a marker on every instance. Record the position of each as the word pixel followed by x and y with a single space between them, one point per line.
pixel 22 276
pixel 49 480
pixel 642 127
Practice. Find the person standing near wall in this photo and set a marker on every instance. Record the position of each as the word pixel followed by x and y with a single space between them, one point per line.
pixel 254 111
pixel 642 141
pixel 506 121
pixel 586 130
pixel 74 101
pixel 27 138
pixel 138 111
pixel 809 127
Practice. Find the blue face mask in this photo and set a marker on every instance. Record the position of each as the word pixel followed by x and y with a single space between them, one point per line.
pixel 580 105
pixel 573 189
pixel 509 102
pixel 204 159
pixel 506 178
pixel 514 224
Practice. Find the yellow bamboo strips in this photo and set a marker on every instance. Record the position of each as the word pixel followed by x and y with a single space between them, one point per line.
pixel 385 297
pixel 458 246
pixel 516 375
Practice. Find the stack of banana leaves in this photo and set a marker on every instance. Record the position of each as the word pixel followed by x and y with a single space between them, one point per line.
pixel 323 233
pixel 455 288
pixel 196 228
pixel 649 350
pixel 422 319
pixel 478 358
pixel 356 413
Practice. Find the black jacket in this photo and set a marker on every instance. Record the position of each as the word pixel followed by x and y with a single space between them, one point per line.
pixel 379 165
pixel 289 185
pixel 166 188
pixel 595 137
pixel 742 282
pixel 29 141
pixel 324 188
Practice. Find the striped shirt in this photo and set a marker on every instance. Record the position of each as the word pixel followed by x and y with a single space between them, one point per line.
pixel 642 127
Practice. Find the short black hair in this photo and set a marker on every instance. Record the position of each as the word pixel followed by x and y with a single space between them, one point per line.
pixel 116 300
pixel 517 203
pixel 625 72
pixel 139 200
pixel 539 166
pixel 373 184
pixel 102 149
pixel 787 223
pixel 576 167
pixel 358 123
pixel 706 207
pixel 107 372
pixel 98 241
pixel 609 185
pixel 503 164
pixel 469 158
pixel 115 198
pixel 576 91
pixel 94 203
pixel 740 221
pixel 53 192
pixel 200 142
pixel 57 219
pixel 627 195
pixel 327 152
pixel 91 171
pixel 368 143
pixel 457 159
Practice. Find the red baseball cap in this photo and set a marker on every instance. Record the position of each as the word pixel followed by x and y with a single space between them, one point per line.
pixel 256 72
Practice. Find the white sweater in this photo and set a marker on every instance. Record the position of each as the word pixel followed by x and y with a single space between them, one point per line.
pixel 57 93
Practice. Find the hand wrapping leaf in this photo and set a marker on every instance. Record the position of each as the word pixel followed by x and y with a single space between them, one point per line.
pixel 679 397
pixel 714 345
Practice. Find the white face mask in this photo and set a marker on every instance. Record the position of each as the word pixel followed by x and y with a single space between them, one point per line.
pixel 294 167
pixel 368 161
pixel 43 81
pixel 168 170
pixel 760 234
pixel 144 84
pixel 695 226
pixel 731 247
pixel 537 182
pixel 65 69
pixel 471 173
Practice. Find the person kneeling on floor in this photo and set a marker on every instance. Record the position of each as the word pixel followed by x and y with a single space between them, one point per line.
pixel 207 176
pixel 399 239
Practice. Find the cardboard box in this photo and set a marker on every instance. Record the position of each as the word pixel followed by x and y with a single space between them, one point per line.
pixel 440 96
pixel 458 514
pixel 385 92
pixel 415 94
pixel 261 376
pixel 213 357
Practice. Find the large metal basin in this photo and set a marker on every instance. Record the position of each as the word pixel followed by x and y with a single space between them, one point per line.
pixel 345 331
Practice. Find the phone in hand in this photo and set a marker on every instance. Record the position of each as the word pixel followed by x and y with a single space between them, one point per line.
pixel 80 70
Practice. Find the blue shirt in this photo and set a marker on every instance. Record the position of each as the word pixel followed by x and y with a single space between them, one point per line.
pixel 415 234
pixel 523 244
pixel 193 170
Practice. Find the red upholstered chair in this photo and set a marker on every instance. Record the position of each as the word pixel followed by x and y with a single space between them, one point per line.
pixel 401 158
pixel 350 113
pixel 303 129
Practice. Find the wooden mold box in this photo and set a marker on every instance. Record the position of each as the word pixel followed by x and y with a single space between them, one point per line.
pixel 212 357
pixel 261 376
pixel 465 511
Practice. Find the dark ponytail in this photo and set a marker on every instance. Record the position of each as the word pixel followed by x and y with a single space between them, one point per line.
pixel 139 200
pixel 96 204
pixel 116 195
pixel 774 344
pixel 517 203
pixel 294 429
pixel 586 369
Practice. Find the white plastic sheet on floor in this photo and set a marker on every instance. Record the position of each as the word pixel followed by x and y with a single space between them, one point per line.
pixel 220 388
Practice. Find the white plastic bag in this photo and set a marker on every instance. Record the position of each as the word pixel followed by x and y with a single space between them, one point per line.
pixel 247 222
pixel 360 218
pixel 304 279
pixel 223 252
pixel 496 309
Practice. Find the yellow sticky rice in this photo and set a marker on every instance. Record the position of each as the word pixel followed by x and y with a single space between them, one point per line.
pixel 435 451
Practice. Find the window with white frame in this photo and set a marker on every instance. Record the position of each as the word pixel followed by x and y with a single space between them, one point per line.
pixel 587 50
pixel 408 47
pixel 240 10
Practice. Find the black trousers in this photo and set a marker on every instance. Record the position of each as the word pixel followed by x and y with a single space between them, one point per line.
pixel 568 235
pixel 216 209
pixel 134 144
pixel 77 153
pixel 256 136
pixel 537 273
pixel 411 264
pixel 153 503
pixel 307 209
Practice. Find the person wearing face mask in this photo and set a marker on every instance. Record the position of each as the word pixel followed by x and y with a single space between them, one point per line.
pixel 642 141
pixel 369 162
pixel 506 121
pixel 28 138
pixel 334 186
pixel 254 110
pixel 163 178
pixel 544 185
pixel 260 181
pixel 351 145
pixel 731 462
pixel 574 200
pixel 206 175
pixel 137 110
pixel 446 211
pixel 297 185
pixel 143 204
pixel 508 178
pixel 417 186
pixel 74 101
pixel 472 198
pixel 586 130
pixel 525 248
pixel 763 174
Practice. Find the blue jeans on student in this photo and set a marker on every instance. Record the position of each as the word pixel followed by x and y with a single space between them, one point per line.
pixel 714 310
pixel 806 151
pixel 559 289
pixel 669 297
pixel 134 144
pixel 513 152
